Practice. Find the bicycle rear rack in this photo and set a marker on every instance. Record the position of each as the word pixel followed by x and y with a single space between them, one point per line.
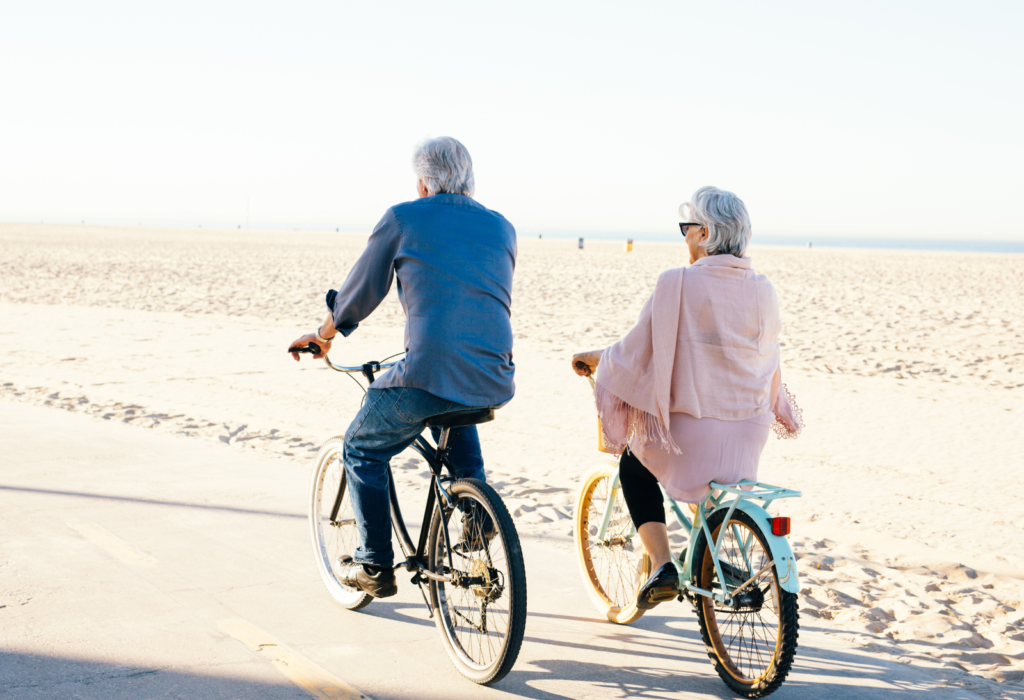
pixel 755 490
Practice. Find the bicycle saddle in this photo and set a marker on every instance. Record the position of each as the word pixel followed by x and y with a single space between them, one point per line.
pixel 457 419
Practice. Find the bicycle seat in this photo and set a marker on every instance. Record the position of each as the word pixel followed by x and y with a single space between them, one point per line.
pixel 457 419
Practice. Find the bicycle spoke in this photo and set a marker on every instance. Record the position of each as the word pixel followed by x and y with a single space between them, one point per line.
pixel 478 612
pixel 339 537
pixel 616 561
pixel 748 635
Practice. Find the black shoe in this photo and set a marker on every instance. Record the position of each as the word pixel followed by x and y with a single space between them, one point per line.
pixel 663 585
pixel 477 530
pixel 375 580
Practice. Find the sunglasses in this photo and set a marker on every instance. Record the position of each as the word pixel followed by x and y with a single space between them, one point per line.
pixel 684 224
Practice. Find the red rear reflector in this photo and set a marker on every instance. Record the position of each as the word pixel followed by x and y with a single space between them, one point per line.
pixel 780 526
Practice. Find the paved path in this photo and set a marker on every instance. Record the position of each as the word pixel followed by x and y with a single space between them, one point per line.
pixel 140 565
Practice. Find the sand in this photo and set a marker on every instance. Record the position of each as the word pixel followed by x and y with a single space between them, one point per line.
pixel 909 367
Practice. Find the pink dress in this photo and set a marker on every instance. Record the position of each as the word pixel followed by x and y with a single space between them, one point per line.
pixel 696 385
pixel 712 450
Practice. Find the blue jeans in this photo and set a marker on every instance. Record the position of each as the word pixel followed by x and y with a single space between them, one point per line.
pixel 388 422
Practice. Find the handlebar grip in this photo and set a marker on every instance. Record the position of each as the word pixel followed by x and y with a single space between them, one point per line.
pixel 312 349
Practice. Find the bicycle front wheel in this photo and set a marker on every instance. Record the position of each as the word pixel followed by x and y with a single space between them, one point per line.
pixel 615 566
pixel 481 611
pixel 752 641
pixel 332 524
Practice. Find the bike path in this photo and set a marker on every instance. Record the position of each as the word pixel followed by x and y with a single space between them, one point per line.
pixel 135 564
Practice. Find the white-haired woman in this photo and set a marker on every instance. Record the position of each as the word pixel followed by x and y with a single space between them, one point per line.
pixel 690 394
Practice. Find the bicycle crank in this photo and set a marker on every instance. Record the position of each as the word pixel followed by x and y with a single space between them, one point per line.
pixel 485 582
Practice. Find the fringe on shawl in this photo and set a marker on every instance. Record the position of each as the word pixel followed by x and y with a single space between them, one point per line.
pixel 782 431
pixel 641 426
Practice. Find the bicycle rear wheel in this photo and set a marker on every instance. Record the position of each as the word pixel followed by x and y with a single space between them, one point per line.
pixel 751 643
pixel 481 614
pixel 616 566
pixel 337 536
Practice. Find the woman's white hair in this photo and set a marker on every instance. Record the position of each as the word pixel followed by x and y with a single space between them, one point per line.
pixel 725 217
pixel 444 166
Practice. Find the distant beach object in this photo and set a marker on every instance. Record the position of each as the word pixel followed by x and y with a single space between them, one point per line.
pixel 539 236
pixel 581 244
pixel 809 244
pixel 629 245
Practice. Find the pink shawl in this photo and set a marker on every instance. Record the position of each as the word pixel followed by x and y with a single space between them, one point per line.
pixel 706 344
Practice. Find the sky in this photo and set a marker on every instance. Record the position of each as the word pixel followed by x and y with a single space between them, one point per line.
pixel 860 118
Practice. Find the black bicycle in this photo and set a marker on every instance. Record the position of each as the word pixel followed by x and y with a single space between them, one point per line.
pixel 467 562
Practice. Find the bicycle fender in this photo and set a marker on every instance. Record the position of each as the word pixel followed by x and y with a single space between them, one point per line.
pixel 780 551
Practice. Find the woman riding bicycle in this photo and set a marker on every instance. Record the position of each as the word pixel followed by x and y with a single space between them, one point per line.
pixel 689 394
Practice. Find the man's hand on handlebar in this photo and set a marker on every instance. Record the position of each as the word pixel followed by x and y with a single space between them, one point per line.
pixel 585 363
pixel 309 344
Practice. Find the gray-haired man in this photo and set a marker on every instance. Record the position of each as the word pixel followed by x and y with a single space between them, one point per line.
pixel 454 260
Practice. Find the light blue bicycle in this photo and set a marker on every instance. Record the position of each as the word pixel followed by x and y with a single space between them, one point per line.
pixel 737 569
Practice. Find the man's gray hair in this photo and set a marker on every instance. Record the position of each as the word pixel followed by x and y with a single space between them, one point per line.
pixel 725 217
pixel 444 166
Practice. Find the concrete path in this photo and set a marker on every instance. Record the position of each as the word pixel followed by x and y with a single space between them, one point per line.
pixel 135 564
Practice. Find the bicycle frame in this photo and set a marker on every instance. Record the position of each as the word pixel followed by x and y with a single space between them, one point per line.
pixel 415 557
pixel 727 497
pixel 436 458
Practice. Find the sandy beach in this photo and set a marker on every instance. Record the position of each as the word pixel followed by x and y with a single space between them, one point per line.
pixel 909 367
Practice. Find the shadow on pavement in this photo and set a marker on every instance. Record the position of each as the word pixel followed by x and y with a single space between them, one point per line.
pixel 33 676
pixel 657 657
pixel 152 502
pixel 555 680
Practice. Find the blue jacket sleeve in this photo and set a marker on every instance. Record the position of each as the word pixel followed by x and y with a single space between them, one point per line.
pixel 369 280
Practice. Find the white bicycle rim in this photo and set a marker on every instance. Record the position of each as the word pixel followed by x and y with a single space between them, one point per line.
pixel 329 540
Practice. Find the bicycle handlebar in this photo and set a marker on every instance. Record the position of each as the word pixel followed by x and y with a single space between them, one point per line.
pixel 375 366
pixel 367 369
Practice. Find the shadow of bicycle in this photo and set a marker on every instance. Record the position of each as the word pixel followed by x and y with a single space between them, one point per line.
pixel 662 656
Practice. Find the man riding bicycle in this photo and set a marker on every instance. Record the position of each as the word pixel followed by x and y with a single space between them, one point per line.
pixel 454 260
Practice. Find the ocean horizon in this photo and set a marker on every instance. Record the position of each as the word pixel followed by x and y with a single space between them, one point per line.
pixel 814 241
pixel 801 241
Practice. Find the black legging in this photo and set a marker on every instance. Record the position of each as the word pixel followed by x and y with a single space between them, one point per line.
pixel 640 489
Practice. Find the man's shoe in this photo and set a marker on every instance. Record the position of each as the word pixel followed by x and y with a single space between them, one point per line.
pixel 376 580
pixel 477 530
pixel 662 586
